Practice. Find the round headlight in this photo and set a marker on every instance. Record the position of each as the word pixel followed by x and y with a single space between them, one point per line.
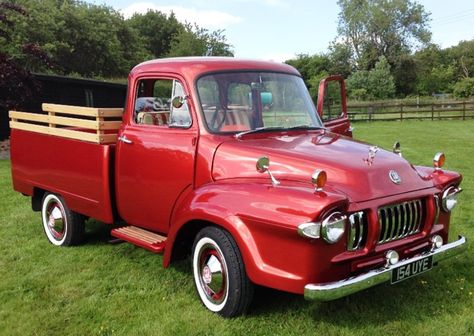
pixel 450 198
pixel 333 227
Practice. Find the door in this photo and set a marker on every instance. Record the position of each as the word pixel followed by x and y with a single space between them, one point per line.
pixel 155 154
pixel 332 106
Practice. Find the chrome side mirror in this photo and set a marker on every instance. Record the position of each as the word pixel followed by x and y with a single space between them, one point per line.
pixel 397 149
pixel 178 101
pixel 263 165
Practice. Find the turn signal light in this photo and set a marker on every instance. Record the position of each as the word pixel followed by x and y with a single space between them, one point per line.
pixel 438 160
pixel 319 179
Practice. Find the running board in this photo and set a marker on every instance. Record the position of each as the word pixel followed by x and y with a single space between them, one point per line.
pixel 140 237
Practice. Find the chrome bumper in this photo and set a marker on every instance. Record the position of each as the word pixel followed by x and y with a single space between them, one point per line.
pixel 335 290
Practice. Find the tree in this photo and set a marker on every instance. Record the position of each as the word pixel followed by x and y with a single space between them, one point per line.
pixel 82 39
pixel 377 83
pixel 464 88
pixel 374 28
pixel 341 60
pixel 193 40
pixel 17 85
pixel 157 30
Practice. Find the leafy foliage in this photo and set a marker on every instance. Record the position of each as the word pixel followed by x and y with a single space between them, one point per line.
pixel 374 28
pixel 193 40
pixel 96 41
pixel 464 88
pixel 16 83
pixel 377 83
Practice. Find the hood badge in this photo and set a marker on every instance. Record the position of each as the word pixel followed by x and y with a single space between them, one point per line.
pixel 372 152
pixel 394 177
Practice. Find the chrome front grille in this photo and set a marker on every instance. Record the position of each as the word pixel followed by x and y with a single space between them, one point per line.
pixel 357 231
pixel 400 220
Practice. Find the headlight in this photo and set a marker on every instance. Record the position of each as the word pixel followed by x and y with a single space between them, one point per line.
pixel 333 226
pixel 450 198
pixel 310 230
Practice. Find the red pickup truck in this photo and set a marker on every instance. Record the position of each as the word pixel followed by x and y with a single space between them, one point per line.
pixel 229 161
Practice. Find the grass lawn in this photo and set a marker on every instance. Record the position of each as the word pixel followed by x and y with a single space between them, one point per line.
pixel 104 289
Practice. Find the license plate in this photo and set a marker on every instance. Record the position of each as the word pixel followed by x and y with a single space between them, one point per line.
pixel 412 269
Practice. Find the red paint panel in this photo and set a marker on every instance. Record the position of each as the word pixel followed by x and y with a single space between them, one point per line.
pixel 77 170
pixel 295 156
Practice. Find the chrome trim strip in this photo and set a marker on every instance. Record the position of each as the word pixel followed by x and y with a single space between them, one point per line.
pixel 361 228
pixel 335 290
pixel 352 232
pixel 436 200
pixel 356 231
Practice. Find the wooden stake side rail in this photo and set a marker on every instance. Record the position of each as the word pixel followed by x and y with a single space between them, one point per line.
pixel 73 122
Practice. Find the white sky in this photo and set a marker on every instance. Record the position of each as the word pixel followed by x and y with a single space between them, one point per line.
pixel 279 29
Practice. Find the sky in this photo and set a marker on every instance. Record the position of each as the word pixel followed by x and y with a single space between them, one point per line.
pixel 278 30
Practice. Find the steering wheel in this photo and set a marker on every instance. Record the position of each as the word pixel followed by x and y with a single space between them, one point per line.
pixel 218 119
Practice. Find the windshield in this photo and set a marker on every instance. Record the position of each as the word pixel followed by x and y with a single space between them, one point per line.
pixel 245 101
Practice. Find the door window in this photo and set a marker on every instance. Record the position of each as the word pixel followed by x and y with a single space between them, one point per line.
pixel 153 104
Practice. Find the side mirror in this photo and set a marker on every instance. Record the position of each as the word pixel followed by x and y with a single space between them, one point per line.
pixel 178 101
pixel 262 164
pixel 397 149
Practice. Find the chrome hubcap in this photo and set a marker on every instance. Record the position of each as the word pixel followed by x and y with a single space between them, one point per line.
pixel 55 219
pixel 212 275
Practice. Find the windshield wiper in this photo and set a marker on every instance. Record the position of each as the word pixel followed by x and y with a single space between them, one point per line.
pixel 277 128
pixel 260 129
pixel 305 127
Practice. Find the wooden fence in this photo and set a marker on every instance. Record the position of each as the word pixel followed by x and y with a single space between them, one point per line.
pixel 403 111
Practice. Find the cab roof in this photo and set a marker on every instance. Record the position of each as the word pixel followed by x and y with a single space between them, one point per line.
pixel 193 67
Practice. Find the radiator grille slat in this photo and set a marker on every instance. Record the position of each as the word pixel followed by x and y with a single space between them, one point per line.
pixel 401 220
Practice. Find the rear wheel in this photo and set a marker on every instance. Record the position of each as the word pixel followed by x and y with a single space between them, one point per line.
pixel 219 273
pixel 62 226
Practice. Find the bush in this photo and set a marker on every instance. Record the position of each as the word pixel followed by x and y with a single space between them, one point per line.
pixel 464 88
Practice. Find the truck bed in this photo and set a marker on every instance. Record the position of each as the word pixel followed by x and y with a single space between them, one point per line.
pixel 80 171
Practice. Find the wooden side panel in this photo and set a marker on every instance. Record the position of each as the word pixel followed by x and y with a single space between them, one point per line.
pixel 98 125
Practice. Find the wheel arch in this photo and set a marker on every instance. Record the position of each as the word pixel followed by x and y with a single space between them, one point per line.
pixel 37 198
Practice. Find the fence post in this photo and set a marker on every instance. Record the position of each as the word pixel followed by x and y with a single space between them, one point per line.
pixel 401 112
pixel 463 110
pixel 432 111
pixel 370 113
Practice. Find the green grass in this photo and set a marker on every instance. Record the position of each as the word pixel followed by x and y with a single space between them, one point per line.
pixel 104 289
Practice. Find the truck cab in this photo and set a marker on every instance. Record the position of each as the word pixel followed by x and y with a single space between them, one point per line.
pixel 230 162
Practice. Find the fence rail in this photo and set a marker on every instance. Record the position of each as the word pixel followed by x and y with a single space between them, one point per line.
pixel 403 111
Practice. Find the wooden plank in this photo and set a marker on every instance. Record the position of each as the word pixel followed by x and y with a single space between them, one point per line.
pixel 63 121
pixel 69 109
pixel 83 111
pixel 111 112
pixel 107 138
pixel 62 132
pixel 110 125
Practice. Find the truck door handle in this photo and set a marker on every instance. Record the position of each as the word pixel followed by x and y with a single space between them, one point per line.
pixel 123 138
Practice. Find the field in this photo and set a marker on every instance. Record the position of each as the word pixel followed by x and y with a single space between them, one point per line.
pixel 105 289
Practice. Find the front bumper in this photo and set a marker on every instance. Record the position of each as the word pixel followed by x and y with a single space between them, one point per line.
pixel 335 290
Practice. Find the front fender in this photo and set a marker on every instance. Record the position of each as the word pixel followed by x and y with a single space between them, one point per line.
pixel 263 220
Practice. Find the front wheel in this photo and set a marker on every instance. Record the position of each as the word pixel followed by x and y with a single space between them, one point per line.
pixel 62 226
pixel 219 273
